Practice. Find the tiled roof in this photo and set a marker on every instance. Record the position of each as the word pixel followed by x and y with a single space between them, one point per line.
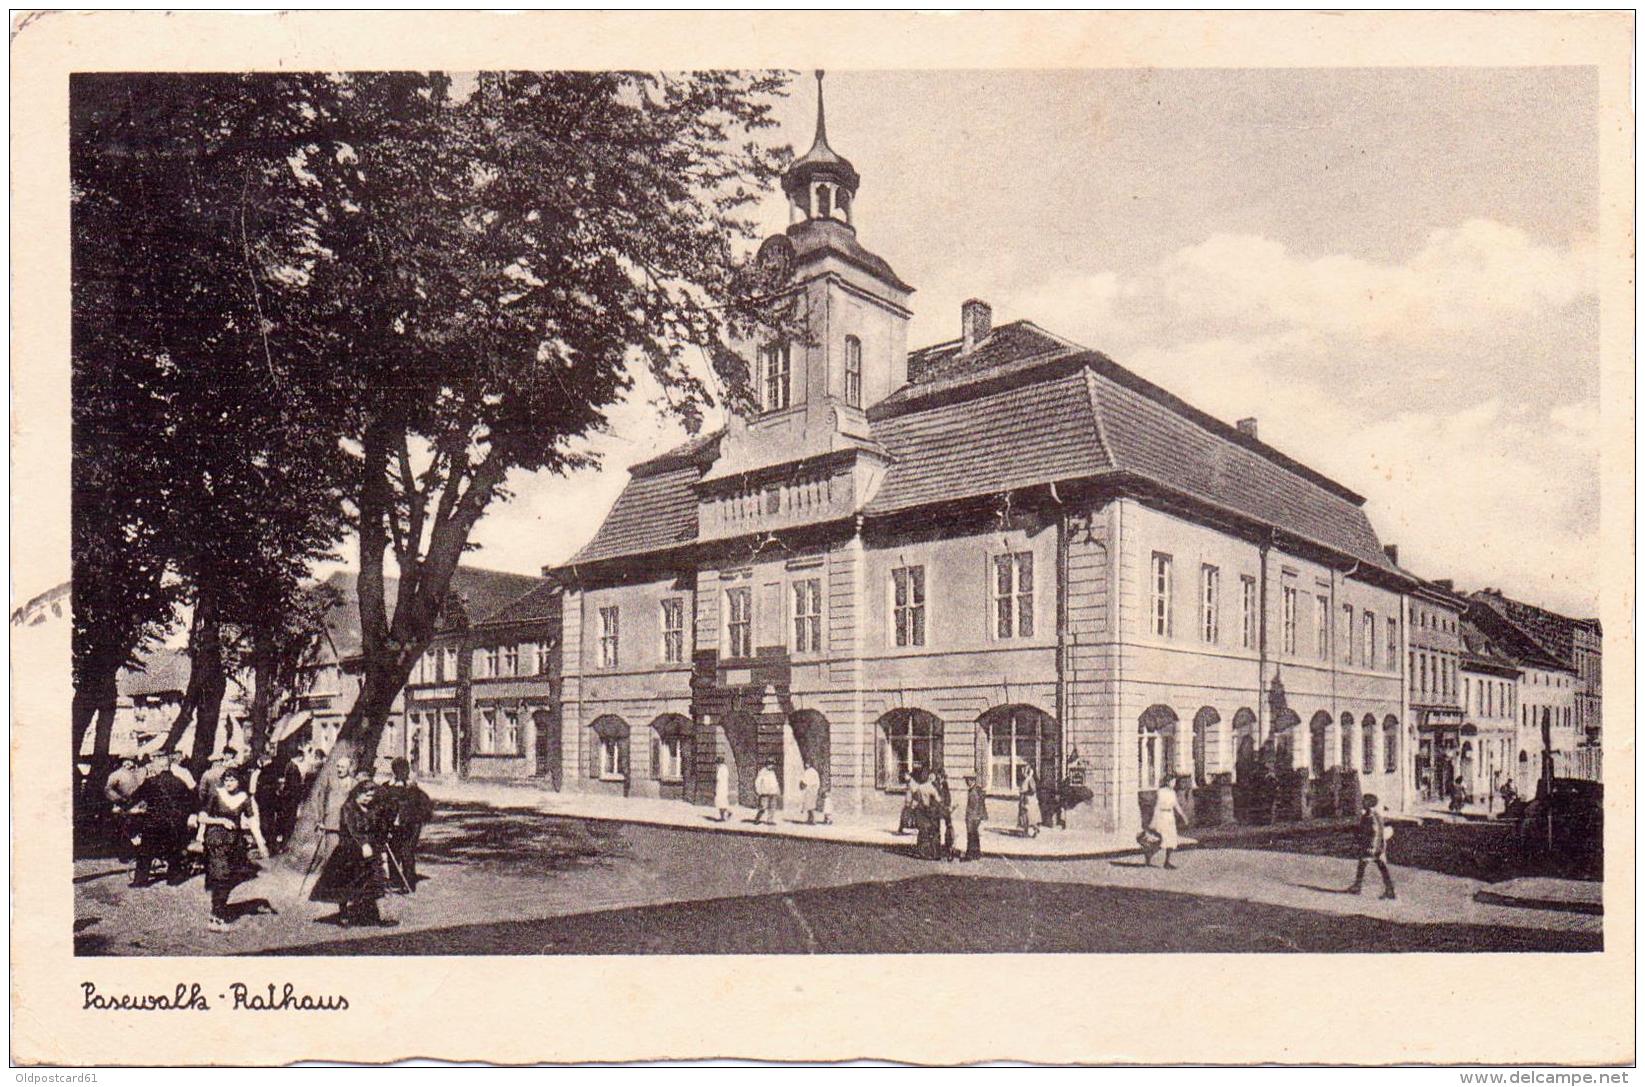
pixel 543 602
pixel 1015 437
pixel 1549 631
pixel 479 591
pixel 164 671
pixel 1479 648
pixel 1005 345
pixel 1026 408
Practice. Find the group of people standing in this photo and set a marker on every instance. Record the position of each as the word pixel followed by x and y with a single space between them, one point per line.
pixel 369 833
pixel 234 812
pixel 170 818
pixel 928 810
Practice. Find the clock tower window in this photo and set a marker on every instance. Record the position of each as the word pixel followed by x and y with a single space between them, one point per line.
pixel 853 371
pixel 775 364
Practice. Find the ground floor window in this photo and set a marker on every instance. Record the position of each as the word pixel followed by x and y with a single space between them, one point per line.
pixel 666 757
pixel 610 754
pixel 910 740
pixel 1156 746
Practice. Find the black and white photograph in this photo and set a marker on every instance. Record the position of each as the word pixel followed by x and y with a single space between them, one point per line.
pixel 850 511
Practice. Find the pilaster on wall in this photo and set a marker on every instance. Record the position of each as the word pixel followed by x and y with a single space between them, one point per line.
pixel 847 616
pixel 571 686
pixel 1090 659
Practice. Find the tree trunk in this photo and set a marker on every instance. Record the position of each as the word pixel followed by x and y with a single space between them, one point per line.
pixel 262 699
pixel 206 661
pixel 95 701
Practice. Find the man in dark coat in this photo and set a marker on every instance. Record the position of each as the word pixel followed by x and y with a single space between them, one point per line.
pixel 160 811
pixel 406 809
pixel 279 793
pixel 353 873
pixel 976 812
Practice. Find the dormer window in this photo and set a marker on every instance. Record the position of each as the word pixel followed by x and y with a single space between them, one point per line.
pixel 853 371
pixel 774 364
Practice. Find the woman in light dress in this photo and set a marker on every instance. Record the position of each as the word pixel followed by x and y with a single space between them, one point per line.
pixel 1028 804
pixel 1164 823
pixel 722 789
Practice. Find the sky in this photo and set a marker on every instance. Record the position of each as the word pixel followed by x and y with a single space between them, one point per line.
pixel 1390 269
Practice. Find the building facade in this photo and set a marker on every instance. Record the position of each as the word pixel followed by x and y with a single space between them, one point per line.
pixel 1000 553
pixel 1433 674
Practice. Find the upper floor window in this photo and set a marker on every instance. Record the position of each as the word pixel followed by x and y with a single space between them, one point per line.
pixel 609 631
pixel 673 630
pixel 853 371
pixel 774 363
pixel 1160 610
pixel 1247 612
pixel 545 657
pixel 1013 592
pixel 739 622
pixel 448 664
pixel 1347 634
pixel 527 652
pixel 1370 622
pixel 510 660
pixel 1322 628
pixel 1289 619
pixel 807 594
pixel 908 605
pixel 1210 597
pixel 1393 642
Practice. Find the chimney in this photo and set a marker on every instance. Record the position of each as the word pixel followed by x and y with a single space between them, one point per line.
pixel 976 318
pixel 1248 426
pixel 1392 551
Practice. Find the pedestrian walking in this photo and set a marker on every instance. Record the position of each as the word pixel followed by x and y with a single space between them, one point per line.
pixel 810 792
pixel 767 790
pixel 722 788
pixel 333 793
pixel 976 813
pixel 1372 837
pixel 923 797
pixel 944 812
pixel 353 873
pixel 1028 804
pixel 228 813
pixel 160 813
pixel 407 809
pixel 1163 824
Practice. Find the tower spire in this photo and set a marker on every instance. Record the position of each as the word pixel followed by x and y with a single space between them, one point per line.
pixel 822 120
pixel 821 183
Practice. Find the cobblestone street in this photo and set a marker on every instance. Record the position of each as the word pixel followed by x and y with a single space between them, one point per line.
pixel 516 882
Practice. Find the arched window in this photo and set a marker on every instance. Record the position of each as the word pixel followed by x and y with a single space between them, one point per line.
pixel 1245 745
pixel 1207 744
pixel 1368 745
pixel 1319 735
pixel 1390 744
pixel 1017 737
pixel 609 750
pixel 1347 742
pixel 670 747
pixel 910 740
pixel 1156 745
pixel 853 371
pixel 774 358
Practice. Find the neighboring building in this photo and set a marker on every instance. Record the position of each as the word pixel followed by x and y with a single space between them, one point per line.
pixel 334 676
pixel 483 701
pixel 1433 674
pixel 1573 643
pixel 1000 552
pixel 1485 751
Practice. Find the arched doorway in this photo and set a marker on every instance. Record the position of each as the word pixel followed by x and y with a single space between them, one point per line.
pixel 806 742
pixel 671 755
pixel 1156 746
pixel 608 751
pixel 545 728
pixel 906 741
pixel 736 740
pixel 1319 736
pixel 1208 756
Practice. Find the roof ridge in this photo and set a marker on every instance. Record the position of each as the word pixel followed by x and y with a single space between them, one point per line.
pixel 1096 413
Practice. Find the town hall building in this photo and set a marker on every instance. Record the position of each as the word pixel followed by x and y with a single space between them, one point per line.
pixel 998 552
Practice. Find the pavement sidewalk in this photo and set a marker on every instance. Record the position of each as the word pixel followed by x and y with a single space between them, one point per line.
pixel 998 840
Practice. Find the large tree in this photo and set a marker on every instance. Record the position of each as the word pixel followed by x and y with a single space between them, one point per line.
pixel 195 437
pixel 503 256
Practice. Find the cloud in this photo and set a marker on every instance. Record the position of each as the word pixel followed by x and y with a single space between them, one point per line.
pixel 1457 389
